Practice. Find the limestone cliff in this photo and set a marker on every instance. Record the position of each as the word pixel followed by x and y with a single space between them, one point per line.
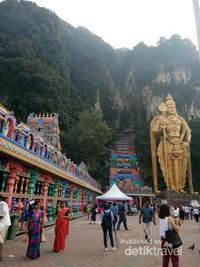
pixel 143 102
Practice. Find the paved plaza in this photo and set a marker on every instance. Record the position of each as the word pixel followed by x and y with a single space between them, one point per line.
pixel 84 248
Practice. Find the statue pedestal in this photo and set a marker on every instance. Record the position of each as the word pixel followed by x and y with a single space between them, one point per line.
pixel 177 198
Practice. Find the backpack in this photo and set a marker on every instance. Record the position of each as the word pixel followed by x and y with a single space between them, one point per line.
pixel 107 220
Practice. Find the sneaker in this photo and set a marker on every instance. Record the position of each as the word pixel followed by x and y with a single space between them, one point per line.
pixel 113 248
pixel 106 249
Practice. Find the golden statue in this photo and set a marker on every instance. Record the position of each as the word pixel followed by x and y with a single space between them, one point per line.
pixel 173 150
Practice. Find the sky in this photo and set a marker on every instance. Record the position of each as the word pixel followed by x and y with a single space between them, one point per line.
pixel 125 23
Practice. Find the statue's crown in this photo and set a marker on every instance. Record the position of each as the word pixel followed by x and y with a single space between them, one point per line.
pixel 169 100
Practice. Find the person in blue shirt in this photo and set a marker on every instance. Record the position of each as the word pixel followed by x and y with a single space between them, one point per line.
pixel 147 216
pixel 114 209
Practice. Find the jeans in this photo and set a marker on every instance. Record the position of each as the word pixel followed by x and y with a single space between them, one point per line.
pixel 196 217
pixel 122 218
pixel 105 239
pixel 147 228
pixel 115 220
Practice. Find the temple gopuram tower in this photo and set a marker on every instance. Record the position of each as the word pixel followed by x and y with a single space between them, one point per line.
pixel 47 127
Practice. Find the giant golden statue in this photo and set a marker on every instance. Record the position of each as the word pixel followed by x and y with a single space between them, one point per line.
pixel 173 150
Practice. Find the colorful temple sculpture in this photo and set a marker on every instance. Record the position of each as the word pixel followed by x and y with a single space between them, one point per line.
pixel 126 173
pixel 32 166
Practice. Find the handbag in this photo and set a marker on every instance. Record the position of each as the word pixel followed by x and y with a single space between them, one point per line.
pixel 173 238
pixel 43 236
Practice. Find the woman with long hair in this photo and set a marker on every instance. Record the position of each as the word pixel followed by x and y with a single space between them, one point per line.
pixel 61 227
pixel 34 229
pixel 166 222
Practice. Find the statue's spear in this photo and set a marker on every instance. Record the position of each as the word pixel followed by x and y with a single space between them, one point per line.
pixel 163 110
pixel 153 155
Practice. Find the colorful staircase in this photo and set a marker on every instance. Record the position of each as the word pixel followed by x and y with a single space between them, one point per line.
pixel 124 167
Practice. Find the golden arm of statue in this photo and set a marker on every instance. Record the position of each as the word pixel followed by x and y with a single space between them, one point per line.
pixel 185 131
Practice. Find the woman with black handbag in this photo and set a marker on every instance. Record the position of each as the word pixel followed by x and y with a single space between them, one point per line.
pixel 166 224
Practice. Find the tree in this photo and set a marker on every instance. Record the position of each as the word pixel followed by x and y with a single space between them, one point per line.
pixel 88 139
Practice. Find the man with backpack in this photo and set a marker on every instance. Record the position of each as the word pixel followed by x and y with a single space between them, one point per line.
pixel 107 221
pixel 122 216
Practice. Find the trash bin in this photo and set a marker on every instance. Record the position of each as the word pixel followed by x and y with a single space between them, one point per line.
pixel 14 217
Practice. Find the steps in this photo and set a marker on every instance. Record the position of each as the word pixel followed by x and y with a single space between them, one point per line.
pixel 124 167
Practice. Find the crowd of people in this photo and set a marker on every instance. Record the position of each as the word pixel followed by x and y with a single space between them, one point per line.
pixel 112 215
pixel 33 226
pixel 170 217
pixel 181 212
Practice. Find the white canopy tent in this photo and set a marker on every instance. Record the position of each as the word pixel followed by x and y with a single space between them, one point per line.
pixel 194 203
pixel 114 194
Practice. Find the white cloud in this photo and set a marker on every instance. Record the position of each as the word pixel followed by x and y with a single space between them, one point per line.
pixel 124 23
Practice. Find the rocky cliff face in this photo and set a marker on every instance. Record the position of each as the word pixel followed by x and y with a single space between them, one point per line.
pixel 143 102
pixel 179 74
